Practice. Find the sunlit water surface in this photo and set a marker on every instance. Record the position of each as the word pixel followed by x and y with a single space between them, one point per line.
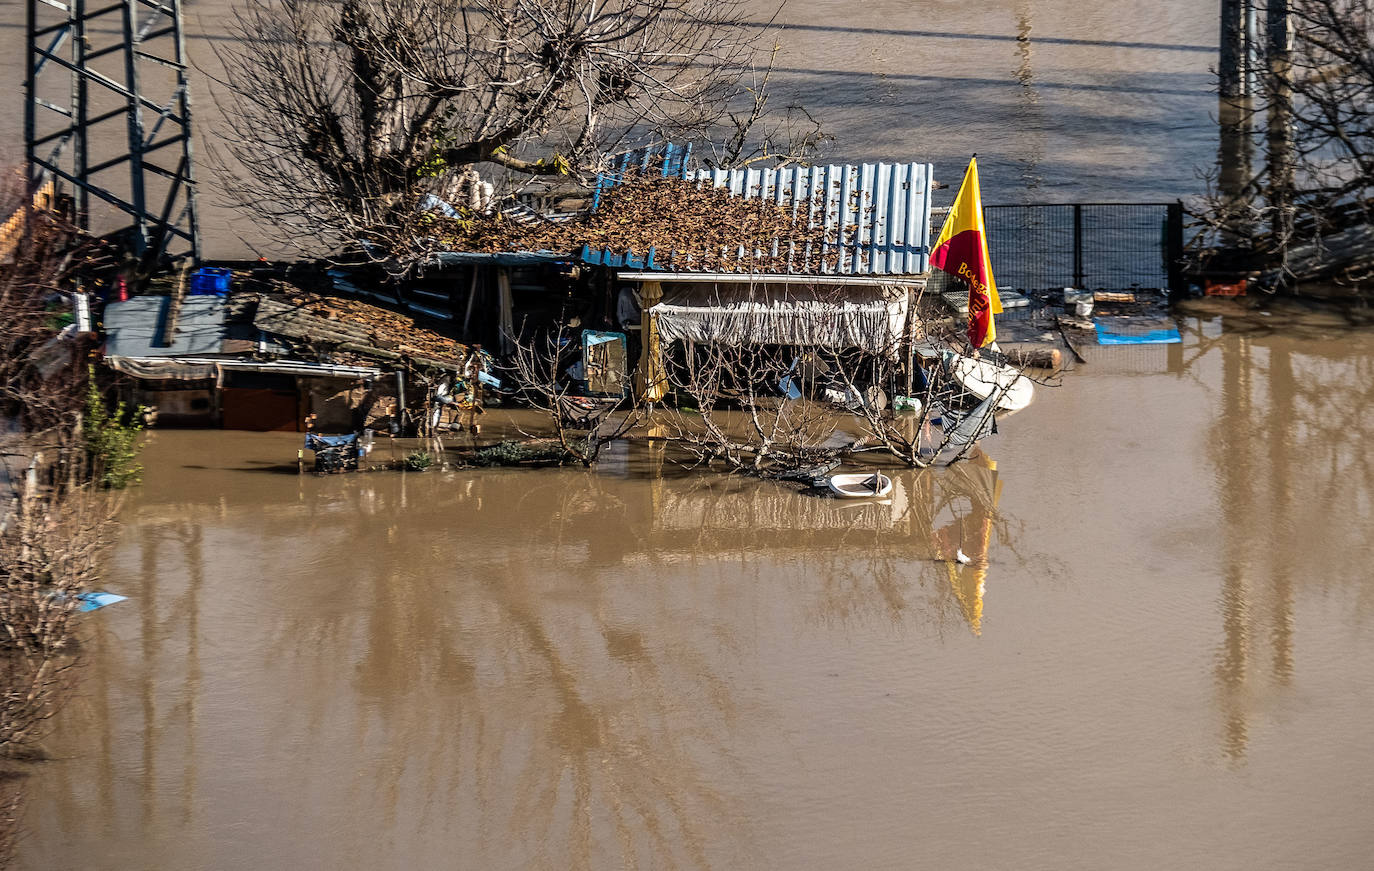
pixel 1158 658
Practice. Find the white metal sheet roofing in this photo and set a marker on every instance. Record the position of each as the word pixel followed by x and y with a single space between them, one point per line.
pixel 876 216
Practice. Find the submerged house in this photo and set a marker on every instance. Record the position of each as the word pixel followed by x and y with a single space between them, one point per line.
pixel 831 257
pixel 847 285
pixel 845 274
pixel 273 361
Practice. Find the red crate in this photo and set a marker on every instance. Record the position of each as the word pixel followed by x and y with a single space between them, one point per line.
pixel 1224 288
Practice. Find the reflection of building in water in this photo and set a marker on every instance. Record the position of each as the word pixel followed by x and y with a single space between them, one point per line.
pixel 872 550
pixel 447 652
pixel 1293 425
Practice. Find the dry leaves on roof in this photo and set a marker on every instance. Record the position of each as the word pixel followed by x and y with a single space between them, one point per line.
pixel 690 219
pixel 368 324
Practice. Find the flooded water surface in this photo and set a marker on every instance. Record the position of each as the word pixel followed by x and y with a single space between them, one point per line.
pixel 1159 656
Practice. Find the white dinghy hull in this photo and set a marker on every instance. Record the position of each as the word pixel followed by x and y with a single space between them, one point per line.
pixel 863 485
pixel 982 378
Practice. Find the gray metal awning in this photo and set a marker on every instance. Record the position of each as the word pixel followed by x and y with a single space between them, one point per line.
pixel 197 368
pixel 770 278
pixel 503 258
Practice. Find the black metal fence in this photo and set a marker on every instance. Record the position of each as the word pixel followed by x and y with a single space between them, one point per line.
pixel 1093 246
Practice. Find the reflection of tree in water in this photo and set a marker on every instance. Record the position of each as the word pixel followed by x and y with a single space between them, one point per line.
pixel 1029 113
pixel 1290 444
pixel 541 669
pixel 561 727
pixel 168 650
pixel 603 705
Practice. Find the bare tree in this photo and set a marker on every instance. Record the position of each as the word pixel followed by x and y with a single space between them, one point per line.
pixel 48 552
pixel 51 521
pixel 42 380
pixel 739 417
pixel 581 426
pixel 931 417
pixel 345 114
pixel 785 377
pixel 757 135
pixel 835 390
pixel 1313 120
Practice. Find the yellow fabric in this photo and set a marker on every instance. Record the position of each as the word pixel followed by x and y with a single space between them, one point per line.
pixel 966 215
pixel 650 379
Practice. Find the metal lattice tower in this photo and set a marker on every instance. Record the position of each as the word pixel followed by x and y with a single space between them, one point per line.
pixel 108 114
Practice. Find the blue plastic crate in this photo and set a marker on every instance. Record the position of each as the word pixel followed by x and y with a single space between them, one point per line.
pixel 211 281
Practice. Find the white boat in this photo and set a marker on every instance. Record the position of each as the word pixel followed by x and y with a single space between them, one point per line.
pixel 863 485
pixel 983 377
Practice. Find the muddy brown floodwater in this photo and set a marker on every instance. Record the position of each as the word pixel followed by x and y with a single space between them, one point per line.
pixel 1159 658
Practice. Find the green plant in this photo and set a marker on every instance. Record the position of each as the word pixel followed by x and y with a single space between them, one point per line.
pixel 513 453
pixel 112 440
pixel 418 461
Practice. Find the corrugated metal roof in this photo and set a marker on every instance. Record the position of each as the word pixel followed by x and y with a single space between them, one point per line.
pixel 876 216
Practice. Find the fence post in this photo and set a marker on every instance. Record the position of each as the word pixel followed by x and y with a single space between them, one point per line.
pixel 1173 247
pixel 1078 245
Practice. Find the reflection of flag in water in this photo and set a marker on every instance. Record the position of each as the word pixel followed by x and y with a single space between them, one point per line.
pixel 962 251
pixel 972 532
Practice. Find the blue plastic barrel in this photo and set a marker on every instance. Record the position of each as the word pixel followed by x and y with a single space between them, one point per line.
pixel 211 281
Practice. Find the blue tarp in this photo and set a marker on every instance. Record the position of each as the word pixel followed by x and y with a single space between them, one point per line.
pixel 316 442
pixel 592 337
pixel 92 601
pixel 601 380
pixel 1133 331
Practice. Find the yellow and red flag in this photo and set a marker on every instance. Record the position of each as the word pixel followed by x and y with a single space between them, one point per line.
pixel 962 251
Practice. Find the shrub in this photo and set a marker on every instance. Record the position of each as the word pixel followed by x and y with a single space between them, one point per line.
pixel 112 440
pixel 418 461
pixel 513 453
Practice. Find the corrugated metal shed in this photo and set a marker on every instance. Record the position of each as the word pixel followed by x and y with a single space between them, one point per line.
pixel 876 215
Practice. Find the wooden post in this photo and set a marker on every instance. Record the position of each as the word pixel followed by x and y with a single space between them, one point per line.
pixel 909 339
pixel 472 298
pixel 169 325
pixel 31 477
pixel 507 314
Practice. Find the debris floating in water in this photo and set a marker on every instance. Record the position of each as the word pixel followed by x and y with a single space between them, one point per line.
pixel 96 600
pixel 1133 331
